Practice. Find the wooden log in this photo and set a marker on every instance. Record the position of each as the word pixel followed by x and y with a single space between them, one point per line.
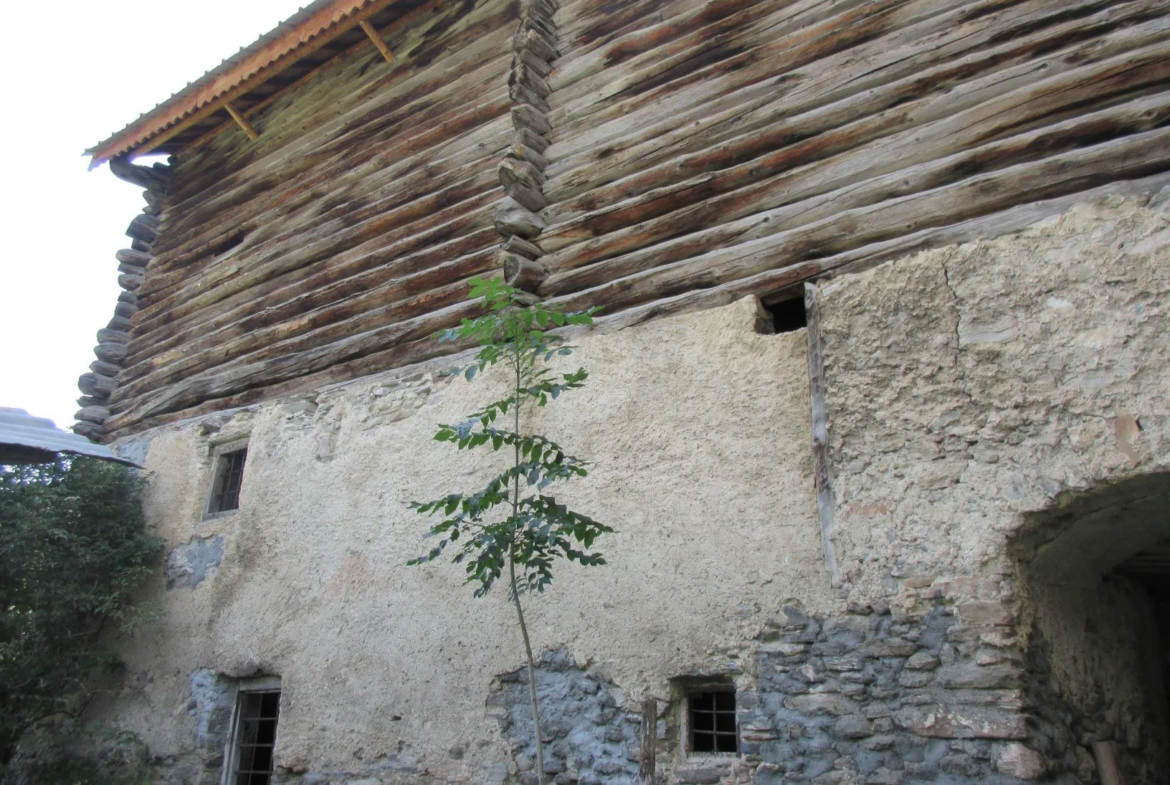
pixel 130 281
pixel 648 742
pixel 130 269
pixel 528 154
pixel 524 274
pixel 512 171
pixel 526 195
pixel 103 368
pixel 518 245
pixel 822 468
pixel 138 245
pixel 520 94
pixel 525 117
pixel 537 42
pixel 155 203
pixel 87 400
pixel 143 228
pixel 511 218
pixel 96 385
pixel 94 414
pixel 156 178
pixel 533 62
pixel 128 298
pixel 111 352
pixel 89 430
pixel 531 79
pixel 107 335
pixel 526 137
pixel 120 323
pixel 130 256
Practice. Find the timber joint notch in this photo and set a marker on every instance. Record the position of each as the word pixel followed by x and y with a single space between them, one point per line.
pixel 521 173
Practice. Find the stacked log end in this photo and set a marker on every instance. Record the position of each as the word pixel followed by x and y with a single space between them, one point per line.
pixel 114 339
pixel 521 172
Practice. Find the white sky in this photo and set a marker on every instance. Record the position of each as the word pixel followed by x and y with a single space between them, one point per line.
pixel 72 73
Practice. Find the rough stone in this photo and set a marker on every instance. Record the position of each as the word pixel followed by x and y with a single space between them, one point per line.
pixel 1016 760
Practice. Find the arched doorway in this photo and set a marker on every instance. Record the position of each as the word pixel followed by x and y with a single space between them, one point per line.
pixel 1095 599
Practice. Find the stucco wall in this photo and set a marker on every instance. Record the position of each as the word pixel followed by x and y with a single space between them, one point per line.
pixel 971 384
pixel 698 430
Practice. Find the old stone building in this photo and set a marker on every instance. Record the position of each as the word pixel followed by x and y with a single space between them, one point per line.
pixel 879 400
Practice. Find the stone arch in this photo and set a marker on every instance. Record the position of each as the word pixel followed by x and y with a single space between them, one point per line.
pixel 1094 595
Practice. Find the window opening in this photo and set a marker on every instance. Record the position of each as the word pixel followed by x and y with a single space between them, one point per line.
pixel 255 736
pixel 229 475
pixel 788 315
pixel 711 720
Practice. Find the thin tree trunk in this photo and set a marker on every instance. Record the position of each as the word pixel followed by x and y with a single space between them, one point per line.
pixel 512 573
pixel 531 678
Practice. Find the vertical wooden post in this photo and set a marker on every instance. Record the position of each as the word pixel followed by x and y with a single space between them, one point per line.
pixel 822 471
pixel 1106 763
pixel 646 760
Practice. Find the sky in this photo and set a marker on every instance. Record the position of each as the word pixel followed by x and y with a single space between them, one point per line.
pixel 72 74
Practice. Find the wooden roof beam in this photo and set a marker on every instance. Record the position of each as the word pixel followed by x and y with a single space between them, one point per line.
pixel 377 40
pixel 242 122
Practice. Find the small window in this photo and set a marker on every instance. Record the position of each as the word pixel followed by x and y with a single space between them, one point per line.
pixel 788 315
pixel 254 733
pixel 229 476
pixel 711 722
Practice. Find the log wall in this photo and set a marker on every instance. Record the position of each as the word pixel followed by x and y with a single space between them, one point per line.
pixel 341 238
pixel 735 146
pixel 640 155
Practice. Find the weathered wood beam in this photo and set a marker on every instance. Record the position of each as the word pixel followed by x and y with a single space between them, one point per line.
pixel 242 122
pixel 376 38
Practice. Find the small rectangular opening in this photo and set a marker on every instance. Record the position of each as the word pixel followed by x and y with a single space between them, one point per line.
pixel 229 476
pixel 788 315
pixel 254 737
pixel 711 722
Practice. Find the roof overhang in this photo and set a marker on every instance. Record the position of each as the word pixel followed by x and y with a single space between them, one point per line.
pixel 307 31
pixel 28 439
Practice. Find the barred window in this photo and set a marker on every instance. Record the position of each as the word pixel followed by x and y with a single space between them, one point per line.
pixel 254 733
pixel 711 722
pixel 226 483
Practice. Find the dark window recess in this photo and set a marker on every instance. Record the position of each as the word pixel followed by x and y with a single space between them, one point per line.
pixel 229 474
pixel 788 315
pixel 712 722
pixel 255 737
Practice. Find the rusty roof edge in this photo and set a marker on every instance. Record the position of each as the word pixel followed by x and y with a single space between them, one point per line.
pixel 250 63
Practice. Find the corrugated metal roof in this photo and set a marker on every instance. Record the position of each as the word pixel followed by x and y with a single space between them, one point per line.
pixel 28 439
pixel 307 30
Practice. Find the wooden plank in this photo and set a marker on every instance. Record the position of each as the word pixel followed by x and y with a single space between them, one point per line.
pixel 648 742
pixel 822 466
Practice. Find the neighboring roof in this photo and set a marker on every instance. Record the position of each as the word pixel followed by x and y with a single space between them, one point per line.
pixel 308 30
pixel 28 439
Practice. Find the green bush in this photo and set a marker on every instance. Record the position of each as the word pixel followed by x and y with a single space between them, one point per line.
pixel 73 549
